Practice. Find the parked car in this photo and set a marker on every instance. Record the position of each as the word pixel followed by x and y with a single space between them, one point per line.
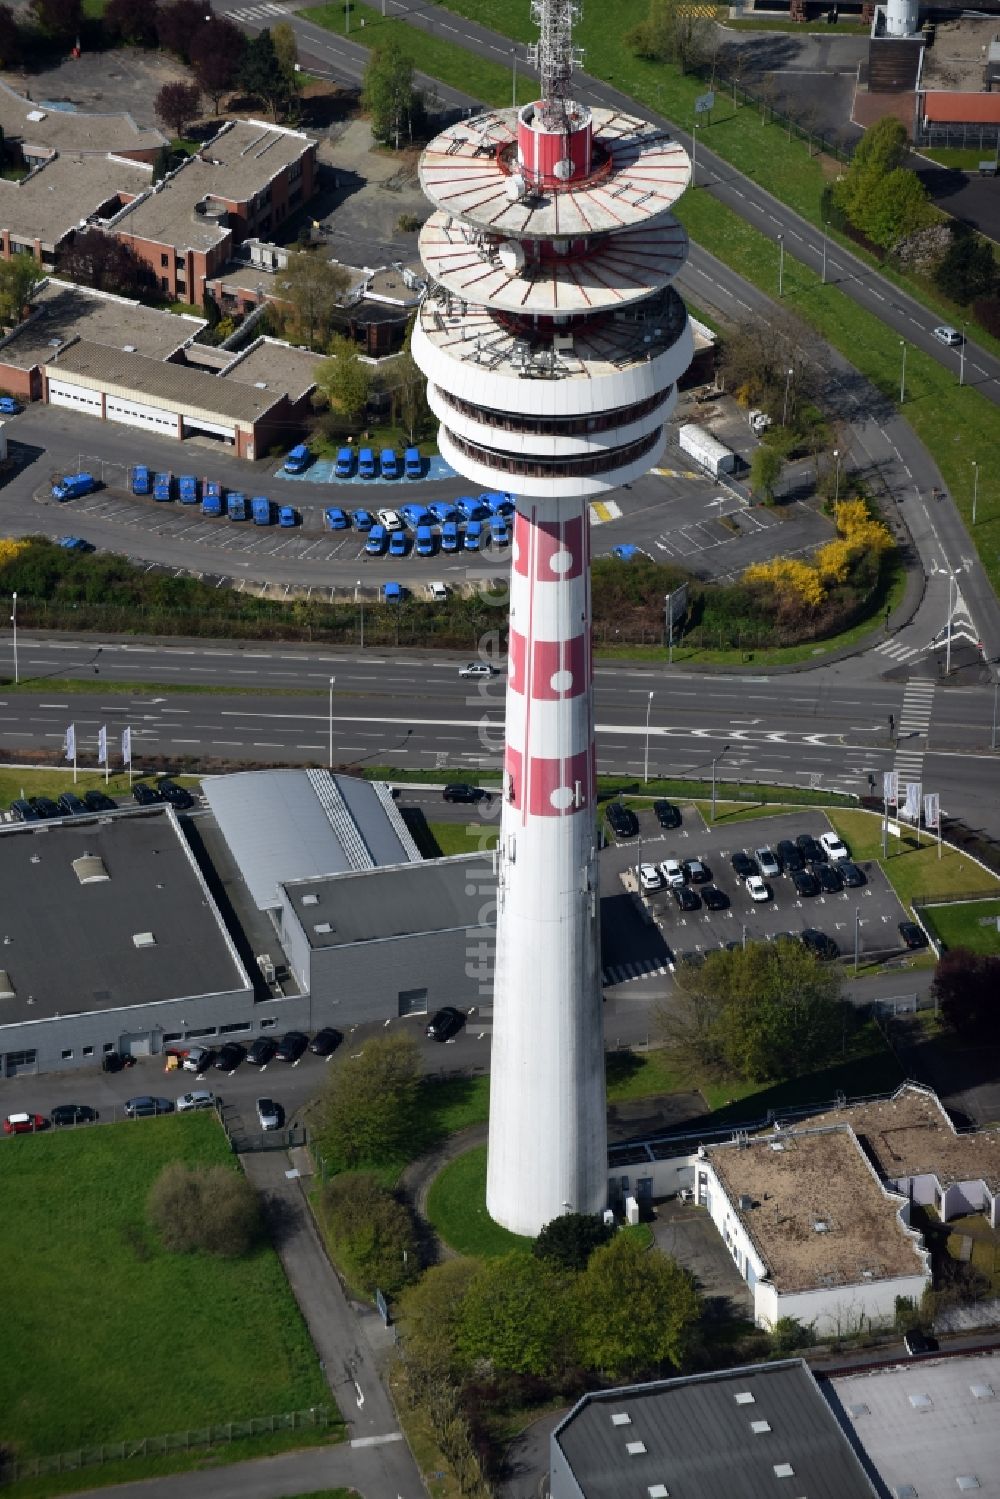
pixel 819 943
pixel 24 1124
pixel 261 1051
pixel 391 520
pixel 299 459
pixel 287 516
pixel 650 878
pixel 393 593
pixel 477 669
pixel 291 1046
pixel 460 791
pixel 415 515
pixel 499 531
pixel 833 846
pixel 99 801
pixel 10 407
pixel 805 882
pixel 212 501
pixel 667 815
pixel 343 468
pixel 829 879
pixel 437 592
pixel 177 796
pixel 672 871
pixel 810 849
pixel 388 464
pixel 236 505
pixel 23 811
pixel 697 872
pixel 913 935
pixel 145 795
pixel 228 1057
pixel 850 873
pixel 445 1024
pixel 73 1113
pixel 424 545
pixel 377 541
pixel 767 863
pixel 198 1059
pixel 743 865
pixel 75 544
pixel 917 1342
pixel 188 489
pixel 71 486
pixel 757 888
pixel 473 536
pixel 336 519
pixel 686 898
pixel 145 1105
pixel 71 804
pixel 399 544
pixel 948 335
pixel 624 823
pixel 449 536
pixel 325 1042
pixel 366 463
pixel 789 857
pixel 270 1115
pixel 412 464
pixel 443 510
pixel 46 807
pixel 199 1099
pixel 714 899
pixel 363 520
pixel 261 510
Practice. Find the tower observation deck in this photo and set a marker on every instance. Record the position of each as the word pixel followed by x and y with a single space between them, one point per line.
pixel 552 341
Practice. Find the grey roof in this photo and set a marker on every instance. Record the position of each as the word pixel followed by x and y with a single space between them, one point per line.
pixel 71 130
pixel 65 311
pixel 277 366
pixel 51 201
pixel 175 387
pixel 696 1440
pixel 375 905
pixel 284 825
pixel 928 1423
pixel 71 948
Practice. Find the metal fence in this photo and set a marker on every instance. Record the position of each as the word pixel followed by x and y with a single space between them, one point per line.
pixel 731 88
pixel 976 137
pixel 14 1469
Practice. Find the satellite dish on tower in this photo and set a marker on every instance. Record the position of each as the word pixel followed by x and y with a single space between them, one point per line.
pixel 564 169
pixel 511 257
pixel 515 186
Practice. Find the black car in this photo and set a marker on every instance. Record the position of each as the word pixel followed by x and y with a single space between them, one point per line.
pixel 445 1024
pixel 686 898
pixel 697 872
pixel 24 811
pixel 667 815
pixel 146 796
pixel 45 807
pixel 325 1042
pixel 176 795
pixel 459 791
pixel 713 899
pixel 917 1342
pixel 830 881
pixel 794 937
pixel 73 1113
pixel 819 943
pixel 261 1051
pixel 624 823
pixel 811 851
pixel 689 960
pixel 913 936
pixel 71 804
pixel 850 873
pixel 144 1106
pixel 99 801
pixel 228 1057
pixel 291 1046
pixel 743 865
pixel 789 857
pixel 805 882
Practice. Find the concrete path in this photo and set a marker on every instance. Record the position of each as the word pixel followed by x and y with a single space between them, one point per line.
pixel 375 1472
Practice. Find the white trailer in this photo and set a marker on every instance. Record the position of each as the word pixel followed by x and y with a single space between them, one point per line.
pixel 705 449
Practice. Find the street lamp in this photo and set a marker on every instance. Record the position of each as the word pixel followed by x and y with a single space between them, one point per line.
pixel 694 155
pixel 513 85
pixel 13 620
pixel 781 264
pixel 836 491
pixel 356 588
pixel 961 357
pixel 996 687
pixel 784 409
pixel 330 758
pixel 826 236
pixel 715 762
pixel 902 373
pixel 645 763
pixel 975 488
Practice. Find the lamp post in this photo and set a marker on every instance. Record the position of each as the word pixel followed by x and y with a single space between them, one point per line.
pixel 996 687
pixel 902 373
pixel 13 620
pixel 975 488
pixel 784 409
pixel 645 763
pixel 826 235
pixel 694 155
pixel 330 721
pixel 836 487
pixel 961 357
pixel 513 82
pixel 357 587
pixel 857 938
pixel 715 762
pixel 951 612
pixel 781 264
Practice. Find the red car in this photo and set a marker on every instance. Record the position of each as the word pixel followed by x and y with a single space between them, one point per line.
pixel 24 1124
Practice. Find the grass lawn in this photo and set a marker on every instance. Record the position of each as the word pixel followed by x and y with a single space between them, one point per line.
pixel 456 1206
pixel 463 838
pixel 959 158
pixel 46 782
pixel 915 873
pixel 99 1309
pixel 970 924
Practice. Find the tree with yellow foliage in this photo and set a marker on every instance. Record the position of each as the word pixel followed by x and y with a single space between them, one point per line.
pixel 10 550
pixel 789 572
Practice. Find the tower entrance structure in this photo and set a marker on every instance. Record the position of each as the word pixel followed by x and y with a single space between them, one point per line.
pixel 552 341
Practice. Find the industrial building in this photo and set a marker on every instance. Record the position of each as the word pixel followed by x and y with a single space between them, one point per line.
pixel 40 214
pixel 37 130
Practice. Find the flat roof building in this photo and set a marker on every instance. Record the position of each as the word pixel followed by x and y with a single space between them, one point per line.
pixel 269 364
pixel 39 214
pixel 38 130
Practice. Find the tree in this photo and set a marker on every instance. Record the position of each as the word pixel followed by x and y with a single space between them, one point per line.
pixel 177 103
pixel 516 1315
pixel 131 21
pixel 892 207
pixel 211 309
pixel 765 470
pixel 430 1313
pixel 179 23
pixel 408 390
pixel 162 163
pixel 212 1208
pixel 107 264
pixel 671 33
pixel 881 151
pixel 261 75
pixel 369 1105
pixel 286 50
pixel 10 38
pixel 967 988
pixel 967 269
pixel 636 1310
pixel 216 57
pixel 343 379
pixel 59 19
pixel 314 287
pixel 19 278
pixel 370 1231
pixel 570 1240
pixel 387 92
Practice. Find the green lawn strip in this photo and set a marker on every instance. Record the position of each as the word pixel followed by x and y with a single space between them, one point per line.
pixel 970 924
pixel 378 437
pixel 430 53
pixel 769 799
pixel 75 1201
pixel 446 1105
pixel 462 838
pixel 19 782
pixel 958 158
pixel 914 871
pixel 456 1207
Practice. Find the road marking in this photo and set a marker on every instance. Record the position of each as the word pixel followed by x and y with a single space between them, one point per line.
pixel 392 1436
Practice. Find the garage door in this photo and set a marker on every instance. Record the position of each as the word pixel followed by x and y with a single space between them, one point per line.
pixel 79 397
pixel 194 425
pixel 134 414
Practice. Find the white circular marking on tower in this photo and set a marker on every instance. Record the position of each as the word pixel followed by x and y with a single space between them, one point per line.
pixel 561 561
pixel 562 797
pixel 561 681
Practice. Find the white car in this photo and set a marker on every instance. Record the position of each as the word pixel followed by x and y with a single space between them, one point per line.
pixel 269 1113
pixel 437 592
pixel 650 877
pixel 834 847
pixel 767 863
pixel 198 1100
pixel 476 669
pixel 948 335
pixel 391 519
pixel 672 871
pixel 758 888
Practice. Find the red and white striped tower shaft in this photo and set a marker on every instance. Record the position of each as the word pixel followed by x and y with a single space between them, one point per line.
pixel 552 342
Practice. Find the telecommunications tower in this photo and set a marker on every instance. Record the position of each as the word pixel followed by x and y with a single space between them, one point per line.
pixel 552 342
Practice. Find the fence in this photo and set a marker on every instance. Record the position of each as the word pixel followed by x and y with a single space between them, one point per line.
pixel 14 1469
pixel 978 137
pixel 721 81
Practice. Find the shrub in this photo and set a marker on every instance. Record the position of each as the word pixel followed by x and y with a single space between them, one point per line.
pixel 370 1232
pixel 211 1208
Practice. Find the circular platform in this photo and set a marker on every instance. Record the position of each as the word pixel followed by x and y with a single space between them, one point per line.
pixel 470 171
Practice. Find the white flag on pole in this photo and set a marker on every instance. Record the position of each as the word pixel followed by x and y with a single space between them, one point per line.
pixel 890 787
pixel 102 745
pixel 70 746
pixel 912 808
pixel 127 746
pixel 932 810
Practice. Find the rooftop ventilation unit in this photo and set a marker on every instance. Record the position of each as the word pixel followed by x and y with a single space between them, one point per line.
pixel 621 1418
pixel 143 939
pixel 7 990
pixel 744 1397
pixel 821 1226
pixel 745 1202
pixel 323 928
pixel 635 1449
pixel 90 869
pixel 310 900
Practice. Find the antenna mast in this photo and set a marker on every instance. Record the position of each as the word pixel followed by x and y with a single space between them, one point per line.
pixel 554 55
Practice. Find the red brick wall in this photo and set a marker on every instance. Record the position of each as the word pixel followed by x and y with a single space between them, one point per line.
pixel 198 265
pixel 26 384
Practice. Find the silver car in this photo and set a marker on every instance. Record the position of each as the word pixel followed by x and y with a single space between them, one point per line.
pixel 269 1113
pixel 767 863
pixel 200 1099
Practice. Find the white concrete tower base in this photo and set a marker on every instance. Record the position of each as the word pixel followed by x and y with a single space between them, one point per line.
pixel 548 1125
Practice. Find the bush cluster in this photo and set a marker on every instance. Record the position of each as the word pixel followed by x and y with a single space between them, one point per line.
pixel 209 1208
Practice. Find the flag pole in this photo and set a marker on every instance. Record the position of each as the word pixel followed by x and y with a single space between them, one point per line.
pixel 74 754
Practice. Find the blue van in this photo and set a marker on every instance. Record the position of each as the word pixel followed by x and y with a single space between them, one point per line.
pixel 260 509
pixel 378 540
pixel 236 505
pixel 298 459
pixel 388 464
pixel 366 463
pixel 473 535
pixel 449 536
pixel 413 465
pixel 425 542
pixel 344 465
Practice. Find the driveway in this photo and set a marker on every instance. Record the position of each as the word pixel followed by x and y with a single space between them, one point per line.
pixel 690 1237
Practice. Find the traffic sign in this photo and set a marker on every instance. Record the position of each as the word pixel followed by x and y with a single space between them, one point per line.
pixel 704 104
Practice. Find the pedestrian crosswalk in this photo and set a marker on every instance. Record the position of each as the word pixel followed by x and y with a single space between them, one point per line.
pixel 262 12
pixel 900 653
pixel 626 973
pixel 601 511
pixel 913 729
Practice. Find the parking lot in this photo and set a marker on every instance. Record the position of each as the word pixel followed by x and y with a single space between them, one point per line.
pixel 632 948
